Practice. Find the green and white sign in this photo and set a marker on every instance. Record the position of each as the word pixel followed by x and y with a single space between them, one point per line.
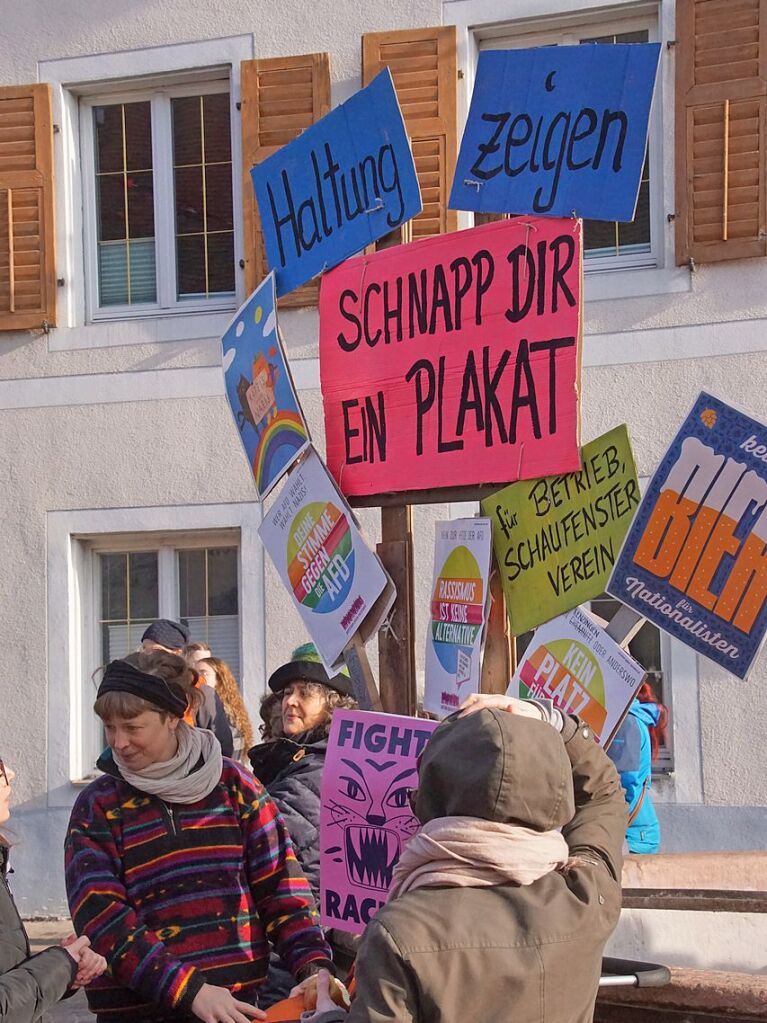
pixel 556 538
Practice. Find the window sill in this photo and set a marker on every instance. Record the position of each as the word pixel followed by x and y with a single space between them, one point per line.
pixel 178 326
pixel 607 285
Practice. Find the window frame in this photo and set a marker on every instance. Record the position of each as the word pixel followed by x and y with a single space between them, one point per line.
pixel 159 96
pixel 566 30
pixel 167 546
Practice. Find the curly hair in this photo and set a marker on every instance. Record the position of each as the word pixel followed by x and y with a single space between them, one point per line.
pixel 332 700
pixel 231 697
pixel 171 668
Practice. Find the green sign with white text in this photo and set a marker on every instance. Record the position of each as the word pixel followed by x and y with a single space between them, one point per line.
pixel 556 538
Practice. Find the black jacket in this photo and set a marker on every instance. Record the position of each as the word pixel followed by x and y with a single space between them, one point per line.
pixel 291 772
pixel 29 985
pixel 212 715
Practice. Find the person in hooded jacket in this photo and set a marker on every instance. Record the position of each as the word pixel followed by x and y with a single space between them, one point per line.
pixel 179 867
pixel 633 750
pixel 32 984
pixel 290 766
pixel 502 903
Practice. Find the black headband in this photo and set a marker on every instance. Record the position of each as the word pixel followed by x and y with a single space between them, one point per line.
pixel 122 677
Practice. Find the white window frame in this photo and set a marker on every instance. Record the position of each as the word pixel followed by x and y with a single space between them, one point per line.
pixel 72 79
pixel 159 98
pixel 74 539
pixel 167 546
pixel 567 31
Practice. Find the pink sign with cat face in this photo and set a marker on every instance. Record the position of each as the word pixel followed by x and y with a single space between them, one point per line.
pixel 370 769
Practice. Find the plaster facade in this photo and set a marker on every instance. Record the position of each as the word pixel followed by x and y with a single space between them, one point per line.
pixel 127 420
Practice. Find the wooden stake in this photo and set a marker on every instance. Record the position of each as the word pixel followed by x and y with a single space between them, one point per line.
pixel 357 662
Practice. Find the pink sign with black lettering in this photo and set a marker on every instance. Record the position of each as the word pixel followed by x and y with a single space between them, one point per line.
pixel 366 820
pixel 454 360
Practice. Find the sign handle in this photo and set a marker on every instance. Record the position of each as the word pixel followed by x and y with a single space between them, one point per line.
pixel 624 625
pixel 365 690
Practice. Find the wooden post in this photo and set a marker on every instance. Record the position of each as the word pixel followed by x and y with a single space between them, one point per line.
pixel 396 643
pixel 365 690
pixel 497 662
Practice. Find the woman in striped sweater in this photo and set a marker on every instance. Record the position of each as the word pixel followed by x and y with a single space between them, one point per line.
pixel 178 863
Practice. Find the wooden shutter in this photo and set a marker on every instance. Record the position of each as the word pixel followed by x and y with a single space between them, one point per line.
pixel 721 110
pixel 27 249
pixel 280 97
pixel 424 69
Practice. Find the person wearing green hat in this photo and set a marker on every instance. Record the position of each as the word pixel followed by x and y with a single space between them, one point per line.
pixel 290 767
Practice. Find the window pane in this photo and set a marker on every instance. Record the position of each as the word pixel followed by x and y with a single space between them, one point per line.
pixel 218 192
pixel 114 586
pixel 222 581
pixel 218 136
pixel 209 600
pixel 202 174
pixel 189 204
pixel 191 266
pixel 114 278
pixel 192 597
pixel 125 204
pixel 143 585
pixel 129 601
pixel 221 263
pixel 187 130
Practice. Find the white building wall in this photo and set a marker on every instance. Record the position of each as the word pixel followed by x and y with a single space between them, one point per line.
pixel 132 416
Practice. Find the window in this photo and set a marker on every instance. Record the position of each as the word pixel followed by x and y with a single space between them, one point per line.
pixel 202 591
pixel 607 245
pixel 158 200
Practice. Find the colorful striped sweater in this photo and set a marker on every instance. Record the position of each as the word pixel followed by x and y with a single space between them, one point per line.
pixel 176 896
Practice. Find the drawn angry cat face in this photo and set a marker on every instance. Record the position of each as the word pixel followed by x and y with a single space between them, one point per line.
pixel 373 811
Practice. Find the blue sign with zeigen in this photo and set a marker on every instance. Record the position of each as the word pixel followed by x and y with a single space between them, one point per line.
pixel 557 130
pixel 343 183
pixel 694 561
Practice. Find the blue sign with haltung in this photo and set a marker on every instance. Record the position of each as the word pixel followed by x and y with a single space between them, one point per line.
pixel 343 183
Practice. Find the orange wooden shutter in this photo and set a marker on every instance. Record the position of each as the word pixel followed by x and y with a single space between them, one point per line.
pixel 27 243
pixel 424 68
pixel 721 110
pixel 280 97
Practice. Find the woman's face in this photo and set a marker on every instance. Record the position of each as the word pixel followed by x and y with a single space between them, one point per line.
pixel 143 740
pixel 303 708
pixel 208 673
pixel 6 777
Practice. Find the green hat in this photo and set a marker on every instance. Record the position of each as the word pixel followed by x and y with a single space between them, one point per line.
pixel 305 665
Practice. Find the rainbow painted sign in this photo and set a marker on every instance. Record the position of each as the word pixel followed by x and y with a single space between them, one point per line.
pixel 260 390
pixel 458 613
pixel 337 584
pixel 572 661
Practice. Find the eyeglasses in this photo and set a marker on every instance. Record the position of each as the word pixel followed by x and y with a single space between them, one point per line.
pixel 412 795
pixel 3 772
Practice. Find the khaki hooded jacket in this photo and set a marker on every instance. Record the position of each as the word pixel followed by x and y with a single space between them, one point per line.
pixel 523 954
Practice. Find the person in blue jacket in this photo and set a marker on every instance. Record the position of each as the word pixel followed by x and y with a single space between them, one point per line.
pixel 633 751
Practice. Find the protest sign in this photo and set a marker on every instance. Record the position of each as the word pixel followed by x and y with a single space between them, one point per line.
pixel 556 538
pixel 458 614
pixel 344 182
pixel 260 390
pixel 454 359
pixel 695 559
pixel 572 661
pixel 559 130
pixel 366 817
pixel 334 579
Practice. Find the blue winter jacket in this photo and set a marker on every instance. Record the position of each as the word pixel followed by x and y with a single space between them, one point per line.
pixel 631 753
